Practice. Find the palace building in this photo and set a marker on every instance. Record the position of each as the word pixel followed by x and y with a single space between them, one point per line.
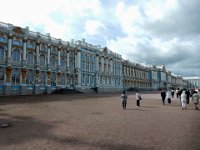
pixel 33 63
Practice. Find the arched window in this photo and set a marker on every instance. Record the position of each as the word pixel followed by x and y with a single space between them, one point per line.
pixel 17 42
pixel 42 61
pixel 1 76
pixel 2 53
pixel 30 78
pixel 30 59
pixel 53 63
pixel 63 79
pixel 53 79
pixel 71 62
pixel 16 56
pixel 62 64
pixel 3 39
pixel 92 64
pixel 54 50
pixel 15 77
pixel 31 45
pixel 42 78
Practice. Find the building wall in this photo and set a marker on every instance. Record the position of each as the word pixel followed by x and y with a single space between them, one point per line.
pixel 33 63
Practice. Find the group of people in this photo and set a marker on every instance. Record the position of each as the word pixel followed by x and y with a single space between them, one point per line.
pixel 184 96
pixel 124 98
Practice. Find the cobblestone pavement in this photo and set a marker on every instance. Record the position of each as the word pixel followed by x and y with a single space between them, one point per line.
pixel 97 122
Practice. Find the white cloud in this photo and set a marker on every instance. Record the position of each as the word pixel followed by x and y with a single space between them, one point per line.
pixel 93 27
pixel 128 17
pixel 38 13
pixel 158 9
pixel 139 29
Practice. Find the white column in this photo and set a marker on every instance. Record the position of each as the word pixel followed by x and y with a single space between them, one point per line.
pixel 79 60
pixel 67 59
pixel 9 47
pixel 24 50
pixel 102 64
pixel 97 63
pixel 37 53
pixel 48 54
pixel 111 66
pixel 58 57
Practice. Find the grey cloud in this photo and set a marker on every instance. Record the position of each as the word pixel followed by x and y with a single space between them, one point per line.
pixel 182 22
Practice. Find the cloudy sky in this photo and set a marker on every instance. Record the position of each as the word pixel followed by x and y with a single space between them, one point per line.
pixel 144 31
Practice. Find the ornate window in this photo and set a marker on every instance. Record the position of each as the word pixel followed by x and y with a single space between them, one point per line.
pixel 30 59
pixel 42 61
pixel 71 62
pixel 92 64
pixel 101 80
pixel 54 50
pixel 17 42
pixel 83 65
pixel 87 79
pixel 43 48
pixel 62 64
pixel 87 62
pixel 53 79
pixel 83 79
pixel 16 56
pixel 3 39
pixel 30 78
pixel 53 63
pixel 1 76
pixel 42 78
pixel 15 77
pixel 92 80
pixel 2 53
pixel 31 45
pixel 71 65
pixel 63 79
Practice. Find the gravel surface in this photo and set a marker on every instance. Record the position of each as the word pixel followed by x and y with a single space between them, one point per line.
pixel 97 122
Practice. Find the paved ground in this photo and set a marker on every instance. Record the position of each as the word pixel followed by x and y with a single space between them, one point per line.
pixel 97 122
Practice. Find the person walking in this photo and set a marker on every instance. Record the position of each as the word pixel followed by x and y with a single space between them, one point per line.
pixel 169 96
pixel 177 90
pixel 183 100
pixel 195 100
pixel 124 100
pixel 172 92
pixel 138 98
pixel 163 95
pixel 187 96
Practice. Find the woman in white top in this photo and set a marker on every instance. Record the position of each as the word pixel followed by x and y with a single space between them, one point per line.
pixel 183 100
pixel 138 98
pixel 169 96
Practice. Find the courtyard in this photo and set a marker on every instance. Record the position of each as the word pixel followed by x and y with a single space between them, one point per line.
pixel 97 121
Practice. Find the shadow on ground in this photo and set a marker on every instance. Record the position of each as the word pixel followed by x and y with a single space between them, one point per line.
pixel 25 129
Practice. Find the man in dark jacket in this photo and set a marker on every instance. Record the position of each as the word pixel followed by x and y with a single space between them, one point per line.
pixel 187 96
pixel 163 95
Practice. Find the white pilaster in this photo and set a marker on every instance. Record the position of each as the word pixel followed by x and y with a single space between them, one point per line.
pixel 24 51
pixel 58 57
pixel 102 64
pixel 67 59
pixel 48 54
pixel 37 54
pixel 9 47
pixel 97 63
